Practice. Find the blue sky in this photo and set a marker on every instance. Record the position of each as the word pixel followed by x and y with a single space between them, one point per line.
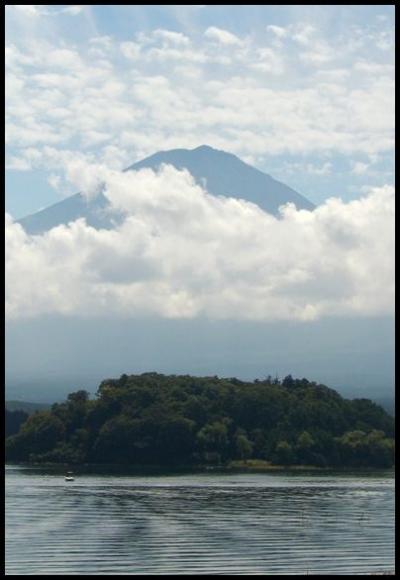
pixel 304 93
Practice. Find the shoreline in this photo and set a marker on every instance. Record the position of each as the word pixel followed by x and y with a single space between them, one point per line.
pixel 236 466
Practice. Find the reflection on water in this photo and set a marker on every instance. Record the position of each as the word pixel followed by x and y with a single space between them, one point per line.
pixel 198 524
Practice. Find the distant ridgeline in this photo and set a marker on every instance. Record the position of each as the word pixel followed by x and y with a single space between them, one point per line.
pixel 13 421
pixel 17 412
pixel 152 419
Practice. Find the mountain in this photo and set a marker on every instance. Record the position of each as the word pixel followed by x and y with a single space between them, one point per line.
pixel 220 172
pixel 225 174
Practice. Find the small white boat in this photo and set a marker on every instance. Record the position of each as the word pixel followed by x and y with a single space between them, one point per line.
pixel 69 477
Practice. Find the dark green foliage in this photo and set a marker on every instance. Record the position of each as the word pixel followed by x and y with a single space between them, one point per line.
pixel 360 448
pixel 13 421
pixel 181 420
pixel 284 454
pixel 244 447
pixel 39 434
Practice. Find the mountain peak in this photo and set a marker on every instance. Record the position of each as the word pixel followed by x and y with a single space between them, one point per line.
pixel 206 148
pixel 211 151
pixel 222 173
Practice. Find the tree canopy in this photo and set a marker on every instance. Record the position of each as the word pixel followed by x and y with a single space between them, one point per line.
pixel 153 419
pixel 13 421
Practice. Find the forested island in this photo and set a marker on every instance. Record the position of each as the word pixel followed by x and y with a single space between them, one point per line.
pixel 158 420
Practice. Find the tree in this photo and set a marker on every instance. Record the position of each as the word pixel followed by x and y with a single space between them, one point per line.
pixel 288 382
pixel 116 440
pixel 304 448
pixel 13 421
pixel 78 397
pixel 40 433
pixel 380 449
pixel 351 447
pixel 176 440
pixel 213 440
pixel 244 447
pixel 284 454
pixel 259 441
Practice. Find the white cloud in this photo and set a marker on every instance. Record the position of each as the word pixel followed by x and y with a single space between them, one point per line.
pixel 89 97
pixel 303 33
pixel 73 10
pixel 222 36
pixel 172 37
pixel 167 54
pixel 18 164
pixel 35 10
pixel 278 31
pixel 26 9
pixel 181 252
pixel 54 181
pixel 269 60
pixel 130 50
pixel 64 59
pixel 320 54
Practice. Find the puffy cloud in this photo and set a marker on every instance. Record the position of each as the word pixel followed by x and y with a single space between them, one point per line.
pixel 268 61
pixel 172 37
pixel 320 54
pixel 257 96
pixel 303 33
pixel 181 252
pixel 35 10
pixel 278 31
pixel 54 181
pixel 130 50
pixel 222 36
pixel 26 9
pixel 89 96
pixel 74 10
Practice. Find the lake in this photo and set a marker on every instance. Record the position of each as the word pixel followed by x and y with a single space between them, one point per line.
pixel 275 523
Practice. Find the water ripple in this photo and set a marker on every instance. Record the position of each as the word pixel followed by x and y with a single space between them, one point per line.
pixel 198 524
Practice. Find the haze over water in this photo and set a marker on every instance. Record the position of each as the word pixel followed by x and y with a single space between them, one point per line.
pixel 198 523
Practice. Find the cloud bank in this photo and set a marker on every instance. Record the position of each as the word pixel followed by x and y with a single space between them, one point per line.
pixel 183 253
pixel 289 90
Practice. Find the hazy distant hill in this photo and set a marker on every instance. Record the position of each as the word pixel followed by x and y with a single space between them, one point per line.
pixel 221 173
pixel 388 403
pixel 26 406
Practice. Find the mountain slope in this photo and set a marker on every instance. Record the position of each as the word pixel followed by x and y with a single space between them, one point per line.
pixel 68 210
pixel 219 172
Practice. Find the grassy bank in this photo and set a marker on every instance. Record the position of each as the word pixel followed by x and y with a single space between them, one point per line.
pixel 259 465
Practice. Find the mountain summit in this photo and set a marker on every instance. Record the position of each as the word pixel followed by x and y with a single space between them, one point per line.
pixel 219 172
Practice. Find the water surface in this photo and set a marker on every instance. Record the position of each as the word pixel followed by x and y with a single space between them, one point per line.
pixel 198 523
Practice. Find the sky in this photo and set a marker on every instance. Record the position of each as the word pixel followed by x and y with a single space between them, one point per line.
pixel 304 93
